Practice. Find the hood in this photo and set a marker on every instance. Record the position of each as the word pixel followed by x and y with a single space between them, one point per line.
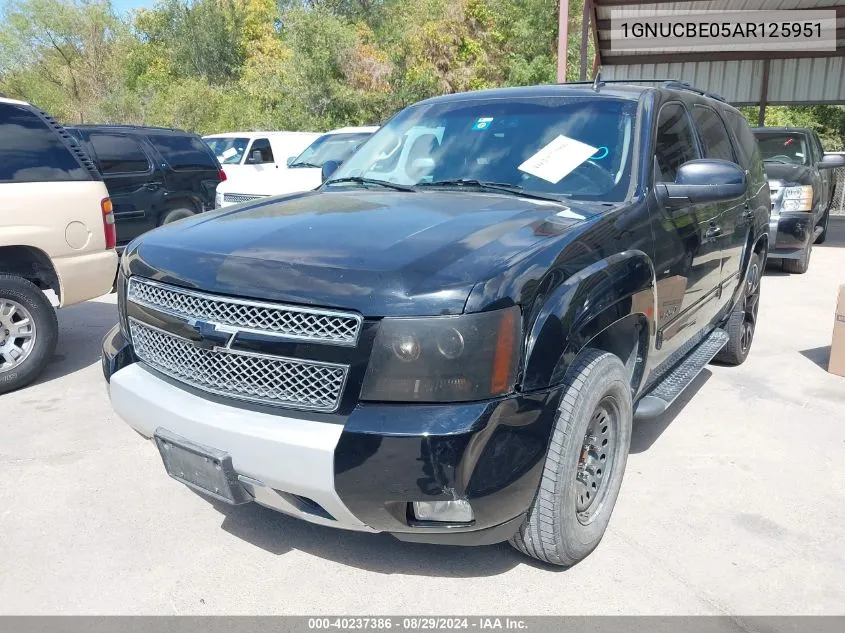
pixel 272 182
pixel 382 253
pixel 786 175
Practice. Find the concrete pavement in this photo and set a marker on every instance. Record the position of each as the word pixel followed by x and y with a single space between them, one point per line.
pixel 733 503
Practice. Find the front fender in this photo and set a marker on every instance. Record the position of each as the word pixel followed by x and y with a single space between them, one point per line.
pixel 582 306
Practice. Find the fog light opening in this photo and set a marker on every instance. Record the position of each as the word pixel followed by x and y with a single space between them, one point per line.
pixel 458 511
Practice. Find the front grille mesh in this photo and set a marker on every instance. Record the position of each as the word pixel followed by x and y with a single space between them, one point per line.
pixel 257 378
pixel 240 197
pixel 288 321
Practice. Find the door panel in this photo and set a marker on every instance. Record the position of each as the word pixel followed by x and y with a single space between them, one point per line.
pixel 135 186
pixel 687 254
pixel 733 224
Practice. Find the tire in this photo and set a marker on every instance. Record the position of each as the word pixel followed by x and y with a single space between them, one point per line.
pixel 825 221
pixel 799 266
pixel 23 358
pixel 555 530
pixel 743 320
pixel 173 215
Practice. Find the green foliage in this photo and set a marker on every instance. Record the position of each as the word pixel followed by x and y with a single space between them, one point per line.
pixel 216 65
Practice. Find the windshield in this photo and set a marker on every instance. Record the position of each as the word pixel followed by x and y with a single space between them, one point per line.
pixel 552 146
pixel 330 147
pixel 229 150
pixel 790 149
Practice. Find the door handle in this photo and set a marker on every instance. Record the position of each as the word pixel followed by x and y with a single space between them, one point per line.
pixel 152 186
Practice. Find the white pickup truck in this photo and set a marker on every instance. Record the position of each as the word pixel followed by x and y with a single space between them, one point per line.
pixel 301 170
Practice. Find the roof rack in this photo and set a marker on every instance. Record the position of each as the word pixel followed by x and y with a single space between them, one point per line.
pixel 673 84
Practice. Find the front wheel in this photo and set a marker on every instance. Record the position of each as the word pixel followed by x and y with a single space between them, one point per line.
pixel 801 265
pixel 28 332
pixel 584 464
pixel 825 221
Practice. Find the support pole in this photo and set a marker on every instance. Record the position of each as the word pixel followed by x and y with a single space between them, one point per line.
pixel 764 94
pixel 563 35
pixel 585 34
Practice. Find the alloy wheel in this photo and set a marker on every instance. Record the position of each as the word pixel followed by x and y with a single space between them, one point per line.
pixel 17 334
pixel 751 306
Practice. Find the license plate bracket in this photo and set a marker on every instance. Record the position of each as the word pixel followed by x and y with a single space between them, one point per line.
pixel 202 468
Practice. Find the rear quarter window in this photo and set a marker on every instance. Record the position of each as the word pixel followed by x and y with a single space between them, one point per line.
pixel 30 151
pixel 184 153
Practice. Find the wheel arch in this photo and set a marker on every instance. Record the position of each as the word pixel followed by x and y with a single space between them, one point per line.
pixel 32 264
pixel 609 305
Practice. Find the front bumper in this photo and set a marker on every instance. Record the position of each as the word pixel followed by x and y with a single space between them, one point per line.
pixel 790 234
pixel 359 472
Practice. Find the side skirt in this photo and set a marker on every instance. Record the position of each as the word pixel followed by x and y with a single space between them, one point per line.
pixel 660 398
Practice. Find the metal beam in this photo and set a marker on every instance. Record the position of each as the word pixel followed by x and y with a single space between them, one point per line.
pixel 715 56
pixel 596 42
pixel 562 36
pixel 764 95
pixel 585 34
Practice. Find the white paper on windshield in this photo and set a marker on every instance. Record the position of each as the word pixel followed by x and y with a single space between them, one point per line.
pixel 557 159
pixel 229 152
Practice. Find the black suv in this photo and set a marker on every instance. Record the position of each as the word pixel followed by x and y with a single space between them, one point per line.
pixel 154 175
pixel 802 188
pixel 456 352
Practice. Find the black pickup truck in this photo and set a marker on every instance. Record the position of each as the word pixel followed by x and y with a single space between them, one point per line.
pixel 455 352
pixel 802 188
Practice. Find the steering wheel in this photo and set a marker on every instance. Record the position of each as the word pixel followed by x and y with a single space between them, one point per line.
pixel 781 157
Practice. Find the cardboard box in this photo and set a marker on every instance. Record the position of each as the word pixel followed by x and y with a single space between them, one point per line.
pixel 836 364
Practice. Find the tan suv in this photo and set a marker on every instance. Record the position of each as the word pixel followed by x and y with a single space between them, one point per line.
pixel 56 232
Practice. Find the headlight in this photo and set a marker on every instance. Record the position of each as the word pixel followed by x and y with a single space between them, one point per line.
pixel 798 198
pixel 444 359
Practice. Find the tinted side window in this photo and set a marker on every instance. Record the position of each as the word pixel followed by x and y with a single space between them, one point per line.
pixel 749 151
pixel 747 142
pixel 675 143
pixel 261 145
pixel 32 152
pixel 183 152
pixel 713 134
pixel 118 154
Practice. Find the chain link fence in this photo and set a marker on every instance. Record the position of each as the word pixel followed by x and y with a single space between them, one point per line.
pixel 838 206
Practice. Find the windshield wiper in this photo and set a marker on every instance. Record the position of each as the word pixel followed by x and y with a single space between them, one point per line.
pixel 370 181
pixel 481 185
pixel 304 164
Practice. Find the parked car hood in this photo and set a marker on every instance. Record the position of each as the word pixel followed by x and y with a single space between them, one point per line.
pixel 382 253
pixel 789 174
pixel 273 182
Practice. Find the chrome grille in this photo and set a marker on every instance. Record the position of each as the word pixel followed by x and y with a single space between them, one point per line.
pixel 260 378
pixel 240 197
pixel 338 328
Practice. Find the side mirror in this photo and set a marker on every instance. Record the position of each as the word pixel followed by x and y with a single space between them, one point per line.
pixel 290 160
pixel 832 161
pixel 704 180
pixel 256 156
pixel 329 167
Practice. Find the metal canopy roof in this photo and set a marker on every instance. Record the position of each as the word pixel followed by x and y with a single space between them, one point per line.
pixel 742 77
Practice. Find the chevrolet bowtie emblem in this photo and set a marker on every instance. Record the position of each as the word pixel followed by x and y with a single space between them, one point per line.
pixel 212 336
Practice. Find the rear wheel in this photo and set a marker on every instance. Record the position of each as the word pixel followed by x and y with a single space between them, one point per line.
pixel 28 332
pixel 584 465
pixel 799 266
pixel 175 214
pixel 743 320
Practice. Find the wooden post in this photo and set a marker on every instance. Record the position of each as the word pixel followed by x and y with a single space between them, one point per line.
pixel 563 36
pixel 764 94
pixel 585 33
